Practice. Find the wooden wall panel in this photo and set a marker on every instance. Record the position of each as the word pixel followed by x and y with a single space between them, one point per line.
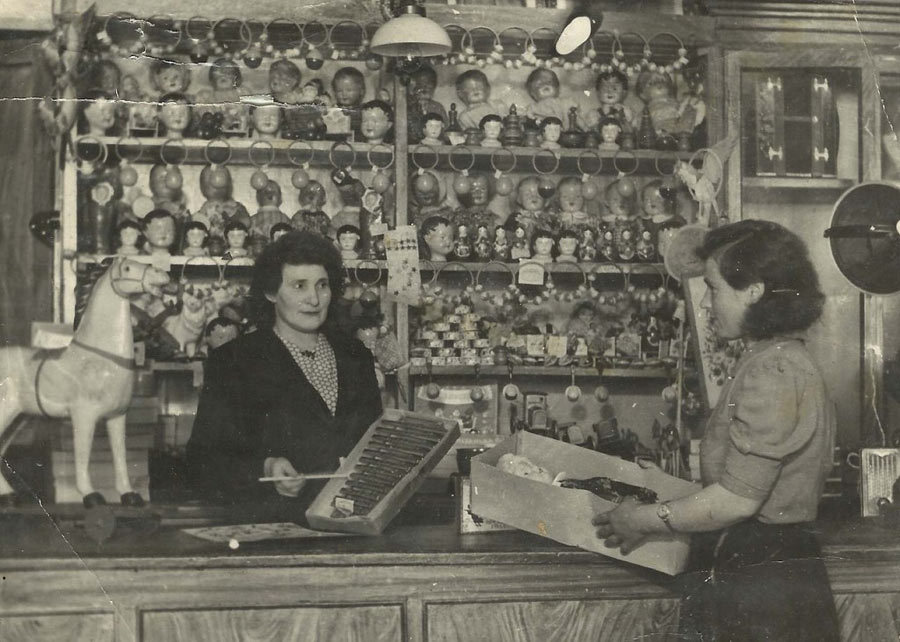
pixel 348 624
pixel 565 621
pixel 57 628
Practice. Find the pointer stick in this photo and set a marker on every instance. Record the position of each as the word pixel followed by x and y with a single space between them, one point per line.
pixel 310 476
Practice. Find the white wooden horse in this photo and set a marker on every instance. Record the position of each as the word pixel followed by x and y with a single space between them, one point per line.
pixel 89 380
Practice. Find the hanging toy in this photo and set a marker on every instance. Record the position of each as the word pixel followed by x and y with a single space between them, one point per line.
pixel 432 390
pixel 573 392
pixel 477 392
pixel 601 394
pixel 589 189
pixel 462 184
pixel 128 175
pixel 510 390
pixel 546 186
pixel 503 184
pixel 259 179
pixel 314 58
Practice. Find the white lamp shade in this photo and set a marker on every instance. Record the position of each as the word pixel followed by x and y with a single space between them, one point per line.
pixel 410 35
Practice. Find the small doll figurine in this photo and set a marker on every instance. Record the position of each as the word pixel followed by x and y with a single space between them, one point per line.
pixel 482 249
pixel 568 247
pixel 607 245
pixel 474 91
pixel 621 200
pixel 461 247
pixel 236 234
pixel 645 248
pixel 551 130
pixel 436 238
pixel 349 87
pixel 278 230
pixel 284 82
pixel 220 331
pixel 530 207
pixel 130 238
pixel 657 89
pixel 543 246
pixel 588 250
pixel 174 115
pixel 491 126
pixel 376 121
pixel 611 89
pixel 433 129
pixel 310 216
pixel 266 120
pixel 348 240
pixel 169 76
pixel 97 113
pixel 195 235
pixel 543 88
pixel 520 248
pixel 609 133
pixel 571 205
pixel 313 91
pixel 220 208
pixel 159 228
pixel 420 90
pixel 269 213
pixel 501 244
pixel 581 323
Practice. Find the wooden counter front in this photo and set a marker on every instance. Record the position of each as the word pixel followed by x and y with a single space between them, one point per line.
pixel 415 582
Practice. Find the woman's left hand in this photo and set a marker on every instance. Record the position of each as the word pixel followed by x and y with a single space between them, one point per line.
pixel 620 527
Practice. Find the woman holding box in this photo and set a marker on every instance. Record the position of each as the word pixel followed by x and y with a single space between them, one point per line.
pixel 757 570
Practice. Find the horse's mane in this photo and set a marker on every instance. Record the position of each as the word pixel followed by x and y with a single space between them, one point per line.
pixel 87 277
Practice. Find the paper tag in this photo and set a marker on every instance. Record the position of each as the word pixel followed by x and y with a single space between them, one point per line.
pixel 556 346
pixel 534 345
pixel 402 250
pixel 343 505
pixel 531 274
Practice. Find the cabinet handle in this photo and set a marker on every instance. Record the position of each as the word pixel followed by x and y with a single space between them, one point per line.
pixel 773 84
pixel 776 153
pixel 820 86
pixel 819 156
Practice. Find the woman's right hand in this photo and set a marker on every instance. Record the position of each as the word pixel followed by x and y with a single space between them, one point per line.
pixel 281 467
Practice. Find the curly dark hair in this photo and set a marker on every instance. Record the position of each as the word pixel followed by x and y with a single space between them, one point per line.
pixel 755 251
pixel 294 248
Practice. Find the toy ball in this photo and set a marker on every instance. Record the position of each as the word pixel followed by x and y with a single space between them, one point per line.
pixel 259 180
pixel 504 186
pixel 432 391
pixel 476 394
pixel 510 391
pixel 128 176
pixel 314 61
pixel 381 182
pixel 462 184
pixel 425 183
pixel 546 189
pixel 253 59
pixel 218 177
pixel 199 56
pixel 589 190
pixel 174 180
pixel 374 62
pixel 602 393
pixel 300 178
pixel 368 299
pixel 625 187
pixel 573 393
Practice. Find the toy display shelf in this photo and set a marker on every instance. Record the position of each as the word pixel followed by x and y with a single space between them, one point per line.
pixel 545 371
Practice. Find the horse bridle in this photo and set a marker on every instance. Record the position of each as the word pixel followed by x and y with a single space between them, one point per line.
pixel 117 277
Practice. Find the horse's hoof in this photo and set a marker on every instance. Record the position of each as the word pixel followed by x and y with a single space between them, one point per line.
pixel 93 500
pixel 132 499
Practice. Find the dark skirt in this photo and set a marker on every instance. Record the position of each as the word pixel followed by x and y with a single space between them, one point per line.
pixel 758 582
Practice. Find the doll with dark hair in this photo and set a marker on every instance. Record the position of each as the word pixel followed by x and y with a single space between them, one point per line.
pixel 376 121
pixel 269 213
pixel 174 115
pixel 159 228
pixel 551 130
pixel 611 89
pixel 278 230
pixel 491 126
pixel 131 237
pixel 97 113
pixel 436 238
pixel 195 236
pixel 543 246
pixel 567 246
pixel 310 216
pixel 432 129
pixel 348 237
pixel 236 234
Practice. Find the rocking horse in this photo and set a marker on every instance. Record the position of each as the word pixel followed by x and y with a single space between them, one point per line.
pixel 89 380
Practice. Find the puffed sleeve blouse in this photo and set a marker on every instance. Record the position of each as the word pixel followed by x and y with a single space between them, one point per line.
pixel 771 435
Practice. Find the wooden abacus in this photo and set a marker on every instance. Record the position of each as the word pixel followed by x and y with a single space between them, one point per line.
pixel 382 472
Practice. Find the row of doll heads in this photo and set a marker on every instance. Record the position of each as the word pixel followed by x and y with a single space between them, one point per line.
pixel 538 194
pixel 159 229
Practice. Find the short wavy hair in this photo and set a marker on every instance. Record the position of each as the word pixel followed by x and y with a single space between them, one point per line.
pixel 755 251
pixel 294 248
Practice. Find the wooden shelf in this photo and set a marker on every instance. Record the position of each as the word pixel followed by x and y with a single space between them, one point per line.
pixel 175 259
pixel 796 182
pixel 656 269
pixel 543 371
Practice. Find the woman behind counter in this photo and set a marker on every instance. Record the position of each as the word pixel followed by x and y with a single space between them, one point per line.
pixel 293 396
pixel 757 568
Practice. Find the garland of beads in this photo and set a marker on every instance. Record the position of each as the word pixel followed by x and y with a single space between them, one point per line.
pixel 507 299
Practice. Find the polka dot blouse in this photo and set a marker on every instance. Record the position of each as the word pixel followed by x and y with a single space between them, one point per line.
pixel 319 367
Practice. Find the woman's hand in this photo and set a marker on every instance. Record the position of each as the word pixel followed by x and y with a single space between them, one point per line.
pixel 621 527
pixel 281 467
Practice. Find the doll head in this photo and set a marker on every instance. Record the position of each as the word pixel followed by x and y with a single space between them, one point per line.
pixel 174 114
pixel 611 87
pixel 542 84
pixel 426 192
pixel 168 76
pixel 218 190
pixel 422 83
pixel 98 113
pixel 195 235
pixel 349 87
pixel 473 87
pixel 314 91
pixel 491 125
pixel 284 77
pixel 433 126
pixel 551 129
pixel 609 128
pixel 437 236
pixel 528 198
pixel 107 77
pixel 542 243
pixel 481 192
pixel 655 85
pixel 158 186
pixel 269 195
pixel 584 312
pixel 348 238
pixel 570 195
pixel 621 198
pixel 131 88
pixel 220 331
pixel 311 196
pixel 130 235
pixel 568 242
pixel 236 234
pixel 654 202
pixel 225 75
pixel 159 228
pixel 278 230
pixel 266 119
pixel 376 120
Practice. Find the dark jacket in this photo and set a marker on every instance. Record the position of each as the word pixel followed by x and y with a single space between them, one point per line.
pixel 257 403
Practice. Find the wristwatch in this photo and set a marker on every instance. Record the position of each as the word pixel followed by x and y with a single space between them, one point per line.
pixel 664 512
